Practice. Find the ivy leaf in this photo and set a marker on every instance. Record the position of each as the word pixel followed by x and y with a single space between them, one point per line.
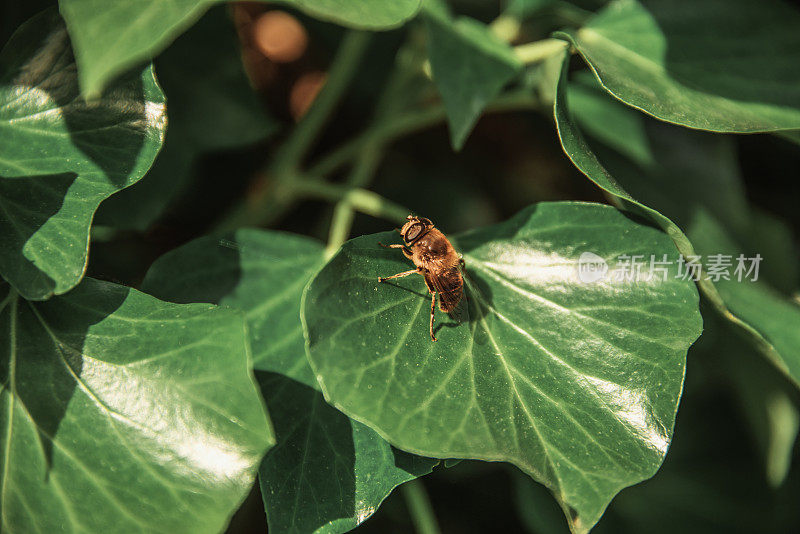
pixel 327 473
pixel 61 156
pixel 720 65
pixel 586 418
pixel 470 66
pixel 111 36
pixel 677 170
pixel 206 113
pixel 122 413
pixel 691 177
pixel 773 316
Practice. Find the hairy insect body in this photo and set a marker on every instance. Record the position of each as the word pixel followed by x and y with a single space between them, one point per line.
pixel 441 267
pixel 435 259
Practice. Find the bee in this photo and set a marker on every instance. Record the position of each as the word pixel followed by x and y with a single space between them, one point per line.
pixel 435 259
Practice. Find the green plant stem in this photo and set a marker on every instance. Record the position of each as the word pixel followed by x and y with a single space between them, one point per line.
pixel 360 199
pixel 343 212
pixel 506 27
pixel 539 50
pixel 528 53
pixel 392 100
pixel 380 133
pixel 420 507
pixel 341 72
pixel 269 202
pixel 408 123
pixel 278 199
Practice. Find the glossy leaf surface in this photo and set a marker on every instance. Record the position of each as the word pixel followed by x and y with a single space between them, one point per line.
pixel 111 36
pixel 690 178
pixel 577 383
pixel 697 490
pixel 61 156
pixel 327 473
pixel 206 113
pixel 122 413
pixel 470 66
pixel 721 65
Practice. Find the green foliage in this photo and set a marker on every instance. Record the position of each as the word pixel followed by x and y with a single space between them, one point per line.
pixel 510 383
pixel 62 156
pixel 205 114
pixel 103 52
pixel 327 473
pixel 274 355
pixel 120 409
pixel 663 167
pixel 470 66
pixel 719 65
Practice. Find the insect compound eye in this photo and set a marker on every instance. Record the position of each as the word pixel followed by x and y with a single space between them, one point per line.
pixel 413 232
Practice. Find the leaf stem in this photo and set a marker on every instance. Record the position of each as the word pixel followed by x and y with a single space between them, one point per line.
pixel 271 200
pixel 506 27
pixel 360 199
pixel 391 101
pixel 539 50
pixel 382 133
pixel 343 213
pixel 419 505
pixel 341 72
pixel 401 125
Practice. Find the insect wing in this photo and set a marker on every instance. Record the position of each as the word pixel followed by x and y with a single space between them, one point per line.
pixel 450 295
pixel 460 313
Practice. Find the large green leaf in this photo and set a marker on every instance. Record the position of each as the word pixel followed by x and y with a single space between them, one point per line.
pixel 577 383
pixel 721 65
pixel 205 113
pixel 470 66
pixel 112 35
pixel 327 473
pixel 692 178
pixel 122 413
pixel 61 156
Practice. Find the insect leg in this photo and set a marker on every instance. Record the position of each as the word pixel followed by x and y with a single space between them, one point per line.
pixel 431 289
pixel 405 249
pixel 398 275
pixel 433 311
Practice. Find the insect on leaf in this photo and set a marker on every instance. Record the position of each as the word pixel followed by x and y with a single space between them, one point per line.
pixel 576 382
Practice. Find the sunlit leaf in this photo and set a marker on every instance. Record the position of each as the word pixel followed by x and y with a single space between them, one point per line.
pixel 327 473
pixel 691 178
pixel 61 156
pixel 122 413
pixel 576 382
pixel 206 113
